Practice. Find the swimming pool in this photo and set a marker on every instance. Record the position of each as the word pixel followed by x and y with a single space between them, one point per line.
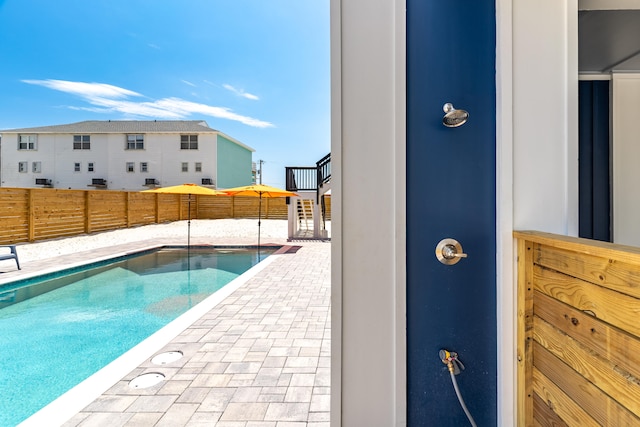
pixel 55 339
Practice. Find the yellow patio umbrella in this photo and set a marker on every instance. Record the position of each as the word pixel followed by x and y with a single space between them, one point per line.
pixel 259 190
pixel 187 189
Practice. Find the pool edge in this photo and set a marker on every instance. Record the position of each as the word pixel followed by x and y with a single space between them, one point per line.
pixel 73 401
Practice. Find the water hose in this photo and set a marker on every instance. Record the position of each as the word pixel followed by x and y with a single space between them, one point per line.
pixel 450 358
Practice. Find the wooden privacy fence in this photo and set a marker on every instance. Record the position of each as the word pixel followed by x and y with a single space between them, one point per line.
pixel 30 214
pixel 578 332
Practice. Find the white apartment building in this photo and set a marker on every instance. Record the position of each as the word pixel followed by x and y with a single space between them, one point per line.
pixel 123 155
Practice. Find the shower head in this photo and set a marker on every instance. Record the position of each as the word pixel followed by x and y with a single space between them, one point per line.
pixel 452 117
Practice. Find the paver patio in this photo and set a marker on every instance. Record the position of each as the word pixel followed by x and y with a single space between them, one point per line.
pixel 260 358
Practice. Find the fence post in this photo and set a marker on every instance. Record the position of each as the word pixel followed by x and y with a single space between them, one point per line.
pixel 87 211
pixel 233 206
pixel 126 210
pixel 525 333
pixel 157 197
pixel 31 218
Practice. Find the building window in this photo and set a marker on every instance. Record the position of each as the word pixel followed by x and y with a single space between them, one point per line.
pixel 188 142
pixel 27 142
pixel 130 166
pixel 144 167
pixel 82 142
pixel 185 167
pixel 198 167
pixel 36 167
pixel 135 142
pixel 76 167
pixel 90 167
pixel 23 167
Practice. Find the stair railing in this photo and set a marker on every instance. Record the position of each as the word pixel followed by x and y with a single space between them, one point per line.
pixel 309 178
pixel 301 178
pixel 324 170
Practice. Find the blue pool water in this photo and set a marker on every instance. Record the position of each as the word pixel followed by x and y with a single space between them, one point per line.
pixel 56 333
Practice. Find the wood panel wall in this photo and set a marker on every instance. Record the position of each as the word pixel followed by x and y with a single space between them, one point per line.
pixel 30 214
pixel 242 207
pixel 14 215
pixel 578 332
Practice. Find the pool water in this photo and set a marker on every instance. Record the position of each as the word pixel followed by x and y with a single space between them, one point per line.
pixel 54 340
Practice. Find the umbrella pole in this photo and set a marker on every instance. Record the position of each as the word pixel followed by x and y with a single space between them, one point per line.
pixel 189 224
pixel 259 215
pixel 189 276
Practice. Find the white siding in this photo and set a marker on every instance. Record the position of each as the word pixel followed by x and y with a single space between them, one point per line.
pixel 65 157
pixel 11 156
pixel 109 155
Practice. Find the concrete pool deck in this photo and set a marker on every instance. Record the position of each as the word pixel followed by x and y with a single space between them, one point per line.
pixel 260 357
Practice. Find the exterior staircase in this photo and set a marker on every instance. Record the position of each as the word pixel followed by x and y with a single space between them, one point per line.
pixel 305 213
pixel 308 217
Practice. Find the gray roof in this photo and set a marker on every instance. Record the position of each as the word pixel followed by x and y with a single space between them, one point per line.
pixel 122 126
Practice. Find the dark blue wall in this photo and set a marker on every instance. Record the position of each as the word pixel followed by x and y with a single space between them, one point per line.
pixel 451 180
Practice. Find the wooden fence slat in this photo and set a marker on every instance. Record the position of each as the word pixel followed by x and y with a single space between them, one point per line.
pixel 611 343
pixel 620 253
pixel 612 307
pixel 545 417
pixel 619 276
pixel 562 405
pixel 618 384
pixel 599 406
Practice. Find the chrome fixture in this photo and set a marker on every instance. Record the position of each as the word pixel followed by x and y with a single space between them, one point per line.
pixel 452 117
pixel 449 251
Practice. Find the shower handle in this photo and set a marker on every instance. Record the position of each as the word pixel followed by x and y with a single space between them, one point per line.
pixel 449 251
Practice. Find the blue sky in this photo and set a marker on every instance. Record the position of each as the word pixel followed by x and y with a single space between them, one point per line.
pixel 256 70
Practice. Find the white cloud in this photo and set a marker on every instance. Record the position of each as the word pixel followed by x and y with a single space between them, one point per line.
pixel 188 83
pixel 85 90
pixel 109 99
pixel 90 109
pixel 240 92
pixel 180 106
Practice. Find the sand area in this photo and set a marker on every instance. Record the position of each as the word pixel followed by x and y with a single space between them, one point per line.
pixel 203 231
